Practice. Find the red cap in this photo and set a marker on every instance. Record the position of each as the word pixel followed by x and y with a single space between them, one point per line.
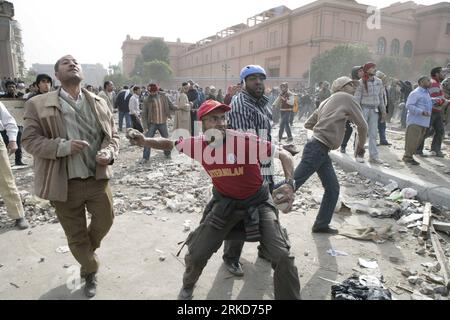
pixel 209 106
pixel 368 66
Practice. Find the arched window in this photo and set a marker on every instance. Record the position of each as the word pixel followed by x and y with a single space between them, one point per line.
pixel 408 49
pixel 381 46
pixel 395 47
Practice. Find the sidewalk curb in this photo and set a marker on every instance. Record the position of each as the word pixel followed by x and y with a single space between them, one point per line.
pixel 437 195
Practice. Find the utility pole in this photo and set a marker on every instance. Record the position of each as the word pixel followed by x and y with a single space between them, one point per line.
pixel 312 44
pixel 226 68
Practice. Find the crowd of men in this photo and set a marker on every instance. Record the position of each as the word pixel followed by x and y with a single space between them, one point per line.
pixel 72 135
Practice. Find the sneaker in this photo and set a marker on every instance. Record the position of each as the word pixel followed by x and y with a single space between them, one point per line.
pixel 235 268
pixel 22 223
pixel 360 159
pixel 290 140
pixel 327 229
pixel 438 154
pixel 343 150
pixel 376 160
pixel 90 288
pixel 421 154
pixel 186 293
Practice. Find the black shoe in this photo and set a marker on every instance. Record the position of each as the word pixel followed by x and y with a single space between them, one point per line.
pixel 186 293
pixel 439 154
pixel 327 229
pixel 420 154
pixel 235 268
pixel 20 163
pixel 412 162
pixel 343 150
pixel 291 149
pixel 385 143
pixel 90 288
pixel 22 224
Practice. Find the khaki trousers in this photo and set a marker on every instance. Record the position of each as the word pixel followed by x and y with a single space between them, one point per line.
pixel 8 189
pixel 94 196
pixel 414 137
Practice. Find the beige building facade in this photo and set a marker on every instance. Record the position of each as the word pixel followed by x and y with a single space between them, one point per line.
pixel 284 41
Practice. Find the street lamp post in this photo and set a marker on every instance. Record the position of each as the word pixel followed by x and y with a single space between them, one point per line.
pixel 311 44
pixel 226 68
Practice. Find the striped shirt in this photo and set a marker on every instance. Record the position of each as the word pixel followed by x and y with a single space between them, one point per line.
pixel 255 116
pixel 437 96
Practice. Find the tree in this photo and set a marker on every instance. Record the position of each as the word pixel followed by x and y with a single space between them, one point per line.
pixel 155 50
pixel 118 79
pixel 338 62
pixel 428 64
pixel 157 70
pixel 396 67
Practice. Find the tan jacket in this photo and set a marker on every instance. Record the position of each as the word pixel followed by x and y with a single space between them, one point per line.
pixel 328 121
pixel 183 114
pixel 44 128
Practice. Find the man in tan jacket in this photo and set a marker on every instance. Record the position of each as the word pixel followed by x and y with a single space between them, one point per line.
pixel 71 134
pixel 328 126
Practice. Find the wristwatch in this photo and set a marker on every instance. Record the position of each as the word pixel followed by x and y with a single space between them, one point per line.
pixel 290 182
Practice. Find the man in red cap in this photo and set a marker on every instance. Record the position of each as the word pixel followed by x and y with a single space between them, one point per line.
pixel 370 95
pixel 242 206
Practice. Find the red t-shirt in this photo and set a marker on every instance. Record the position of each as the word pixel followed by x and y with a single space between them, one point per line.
pixel 233 166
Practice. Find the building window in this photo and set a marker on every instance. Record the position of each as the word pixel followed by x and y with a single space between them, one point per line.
pixel 408 49
pixel 207 58
pixel 381 46
pixel 196 61
pixel 232 51
pixel 250 47
pixel 273 39
pixel 448 29
pixel 218 55
pixel 395 47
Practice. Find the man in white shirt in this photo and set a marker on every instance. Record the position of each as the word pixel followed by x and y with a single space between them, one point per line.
pixel 135 111
pixel 8 189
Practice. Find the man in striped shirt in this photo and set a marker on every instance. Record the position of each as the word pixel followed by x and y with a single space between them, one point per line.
pixel 250 112
pixel 437 116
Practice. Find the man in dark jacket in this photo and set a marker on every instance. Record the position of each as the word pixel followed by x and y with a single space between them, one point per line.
pixel 122 103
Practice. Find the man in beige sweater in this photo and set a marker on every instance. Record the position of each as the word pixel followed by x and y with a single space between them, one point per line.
pixel 328 126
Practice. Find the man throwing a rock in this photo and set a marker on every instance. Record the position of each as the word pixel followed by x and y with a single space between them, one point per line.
pixel 240 197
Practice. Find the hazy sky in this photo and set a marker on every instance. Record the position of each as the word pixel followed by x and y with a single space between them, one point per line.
pixel 93 30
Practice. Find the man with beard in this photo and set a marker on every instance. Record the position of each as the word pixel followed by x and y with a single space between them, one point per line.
pixel 72 137
pixel 241 201
pixel 370 96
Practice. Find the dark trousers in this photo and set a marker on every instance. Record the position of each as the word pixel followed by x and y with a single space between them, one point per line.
pixel 193 119
pixel 206 240
pixel 136 123
pixel 18 154
pixel 95 197
pixel 348 134
pixel 436 128
pixel 127 117
pixel 285 125
pixel 316 159
pixel 291 118
pixel 382 131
